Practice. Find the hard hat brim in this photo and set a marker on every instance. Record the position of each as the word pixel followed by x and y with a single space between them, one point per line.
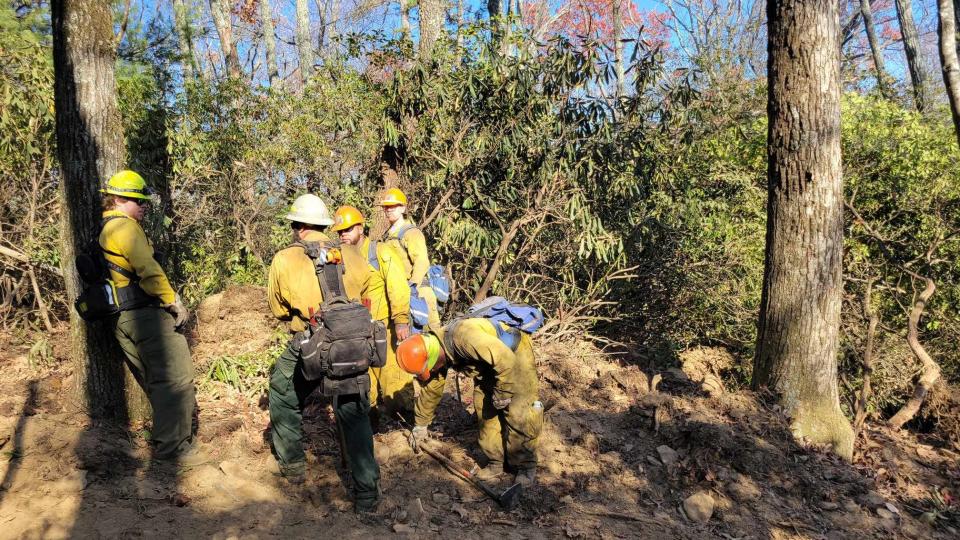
pixel 309 220
pixel 146 195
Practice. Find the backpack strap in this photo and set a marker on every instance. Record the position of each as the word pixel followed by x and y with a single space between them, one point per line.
pixel 404 229
pixel 132 276
pixel 372 255
pixel 329 276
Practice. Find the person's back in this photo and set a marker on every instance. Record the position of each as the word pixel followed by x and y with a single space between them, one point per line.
pixel 294 294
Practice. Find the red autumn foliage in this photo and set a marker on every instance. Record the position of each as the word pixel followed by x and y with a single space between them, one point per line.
pixel 593 19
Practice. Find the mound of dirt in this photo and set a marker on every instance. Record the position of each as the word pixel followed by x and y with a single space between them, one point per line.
pixel 234 322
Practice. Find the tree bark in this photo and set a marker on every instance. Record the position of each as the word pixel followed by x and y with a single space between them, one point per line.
pixel 460 20
pixel 947 28
pixel 90 148
pixel 911 48
pixel 432 13
pixel 304 47
pixel 495 17
pixel 222 19
pixel 618 47
pixel 867 12
pixel 181 17
pixel 270 42
pixel 797 339
pixel 931 370
pixel 335 11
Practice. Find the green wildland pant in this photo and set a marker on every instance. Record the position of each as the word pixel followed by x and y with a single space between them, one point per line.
pixel 160 361
pixel 288 391
pixel 510 436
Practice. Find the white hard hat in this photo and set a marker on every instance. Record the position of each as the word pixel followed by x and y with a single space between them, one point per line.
pixel 310 209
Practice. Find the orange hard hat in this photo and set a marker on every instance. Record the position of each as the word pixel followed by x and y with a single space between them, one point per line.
pixel 346 217
pixel 393 197
pixel 418 354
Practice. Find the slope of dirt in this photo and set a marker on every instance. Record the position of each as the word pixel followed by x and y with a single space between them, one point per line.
pixel 620 454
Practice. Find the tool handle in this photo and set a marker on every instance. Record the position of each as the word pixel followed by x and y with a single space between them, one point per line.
pixel 461 471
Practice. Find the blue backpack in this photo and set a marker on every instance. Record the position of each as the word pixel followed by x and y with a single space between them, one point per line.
pixel 436 275
pixel 515 316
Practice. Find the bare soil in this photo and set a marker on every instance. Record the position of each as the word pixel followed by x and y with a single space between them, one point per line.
pixel 621 451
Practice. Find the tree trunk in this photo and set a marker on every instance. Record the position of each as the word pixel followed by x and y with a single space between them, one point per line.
pixel 948 59
pixel 304 47
pixel 931 370
pixel 495 17
pixel 181 16
pixel 333 24
pixel 404 19
pixel 270 42
pixel 875 50
pixel 618 47
pixel 431 26
pixel 863 399
pixel 797 338
pixel 223 20
pixel 90 148
pixel 911 47
pixel 460 24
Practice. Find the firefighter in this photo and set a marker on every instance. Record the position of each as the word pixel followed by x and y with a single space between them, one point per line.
pixel 150 314
pixel 506 399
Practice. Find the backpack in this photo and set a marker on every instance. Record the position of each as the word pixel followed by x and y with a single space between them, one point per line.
pixel 100 298
pixel 516 317
pixel 436 278
pixel 342 341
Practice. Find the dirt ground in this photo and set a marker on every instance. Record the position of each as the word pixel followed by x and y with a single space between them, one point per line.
pixel 625 454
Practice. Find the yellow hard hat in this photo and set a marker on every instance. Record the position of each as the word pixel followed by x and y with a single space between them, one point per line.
pixel 128 184
pixel 346 217
pixel 393 197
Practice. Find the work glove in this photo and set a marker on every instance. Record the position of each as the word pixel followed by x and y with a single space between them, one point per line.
pixel 403 331
pixel 178 310
pixel 417 435
pixel 500 403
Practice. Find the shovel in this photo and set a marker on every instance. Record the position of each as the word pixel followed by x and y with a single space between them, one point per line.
pixel 507 500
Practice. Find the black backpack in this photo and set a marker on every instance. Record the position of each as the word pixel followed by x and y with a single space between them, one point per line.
pixel 100 297
pixel 342 341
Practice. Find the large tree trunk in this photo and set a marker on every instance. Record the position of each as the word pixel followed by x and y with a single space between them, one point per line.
pixel 911 48
pixel 797 339
pixel 948 58
pixel 432 13
pixel 269 42
pixel 181 17
pixel 867 12
pixel 304 47
pixel 90 147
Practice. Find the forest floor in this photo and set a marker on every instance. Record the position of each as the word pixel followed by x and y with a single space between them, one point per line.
pixel 625 453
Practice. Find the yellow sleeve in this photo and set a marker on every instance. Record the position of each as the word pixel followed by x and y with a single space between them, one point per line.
pixel 416 245
pixel 276 294
pixel 477 339
pixel 129 240
pixel 395 277
pixel 430 395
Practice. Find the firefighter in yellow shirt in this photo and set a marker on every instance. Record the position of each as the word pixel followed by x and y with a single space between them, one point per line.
pixel 294 295
pixel 150 313
pixel 408 239
pixel 388 298
pixel 506 389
